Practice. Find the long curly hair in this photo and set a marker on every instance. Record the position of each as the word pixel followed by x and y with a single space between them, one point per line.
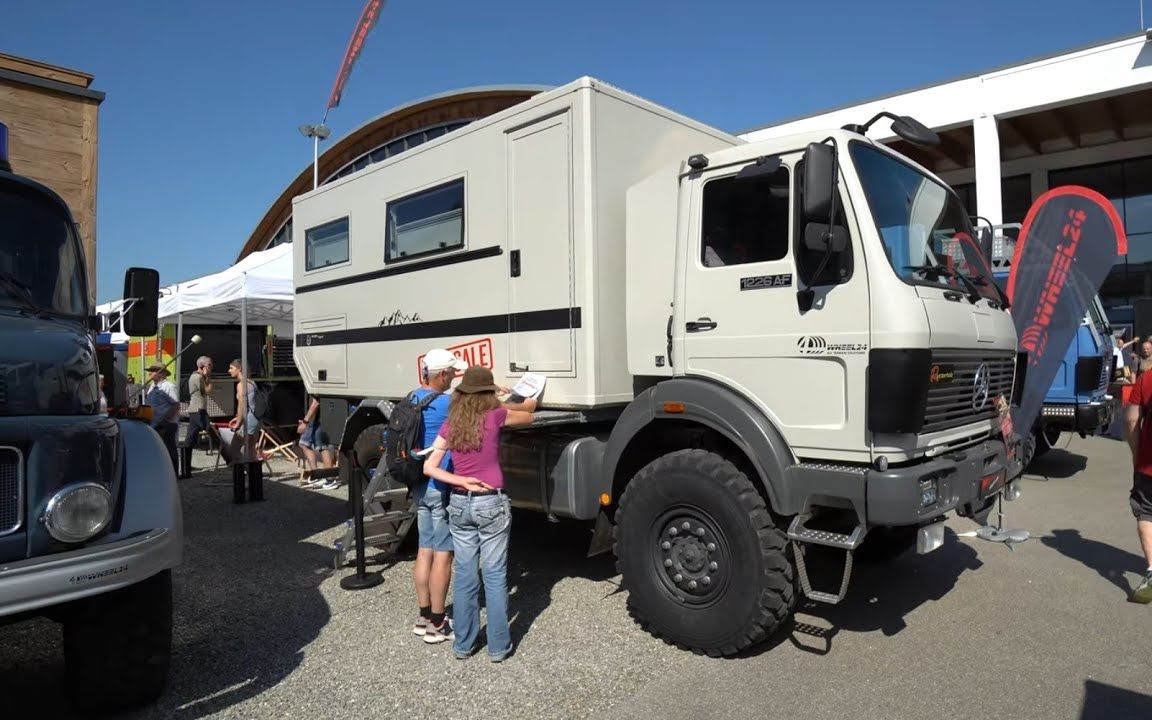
pixel 466 417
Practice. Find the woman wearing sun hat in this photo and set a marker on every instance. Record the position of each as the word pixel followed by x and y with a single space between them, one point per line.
pixel 479 513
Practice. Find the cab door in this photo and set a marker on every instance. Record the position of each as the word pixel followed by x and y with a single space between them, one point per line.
pixel 745 321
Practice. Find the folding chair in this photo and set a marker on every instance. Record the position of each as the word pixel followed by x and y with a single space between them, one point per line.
pixel 270 445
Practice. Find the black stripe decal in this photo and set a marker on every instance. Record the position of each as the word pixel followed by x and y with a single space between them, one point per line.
pixel 405 268
pixel 537 320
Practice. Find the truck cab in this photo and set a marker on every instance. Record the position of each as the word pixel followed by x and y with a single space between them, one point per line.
pixel 1077 400
pixel 90 519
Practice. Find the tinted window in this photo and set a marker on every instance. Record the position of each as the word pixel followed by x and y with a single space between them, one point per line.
pixel 40 259
pixel 425 223
pixel 326 244
pixel 745 221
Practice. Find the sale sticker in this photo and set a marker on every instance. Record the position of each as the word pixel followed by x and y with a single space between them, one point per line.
pixel 475 352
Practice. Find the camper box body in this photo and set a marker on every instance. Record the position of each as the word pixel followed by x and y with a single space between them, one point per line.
pixel 503 241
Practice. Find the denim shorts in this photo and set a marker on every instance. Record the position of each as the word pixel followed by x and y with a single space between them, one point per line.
pixel 432 517
pixel 314 437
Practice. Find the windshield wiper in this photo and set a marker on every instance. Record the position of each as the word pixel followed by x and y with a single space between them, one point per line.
pixel 940 270
pixel 20 290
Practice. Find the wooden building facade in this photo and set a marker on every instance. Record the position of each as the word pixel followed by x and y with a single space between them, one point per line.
pixel 52 118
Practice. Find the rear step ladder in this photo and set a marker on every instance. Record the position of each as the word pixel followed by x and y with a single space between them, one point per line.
pixel 388 517
pixel 801 535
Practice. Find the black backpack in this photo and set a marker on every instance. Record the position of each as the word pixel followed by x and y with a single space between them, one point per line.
pixel 404 437
pixel 259 401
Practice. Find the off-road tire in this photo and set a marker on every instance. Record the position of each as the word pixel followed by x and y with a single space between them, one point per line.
pixel 750 593
pixel 117 646
pixel 1045 440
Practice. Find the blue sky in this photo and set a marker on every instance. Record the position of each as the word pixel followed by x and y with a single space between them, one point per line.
pixel 198 131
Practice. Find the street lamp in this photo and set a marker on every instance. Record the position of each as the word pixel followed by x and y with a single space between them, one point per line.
pixel 317 133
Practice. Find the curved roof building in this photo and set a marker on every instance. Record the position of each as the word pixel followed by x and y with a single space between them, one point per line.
pixel 382 137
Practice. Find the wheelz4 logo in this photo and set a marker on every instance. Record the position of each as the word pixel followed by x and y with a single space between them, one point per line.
pixel 816 345
pixel 1035 337
pixel 812 345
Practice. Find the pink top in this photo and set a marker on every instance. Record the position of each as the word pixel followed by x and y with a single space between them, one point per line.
pixel 482 464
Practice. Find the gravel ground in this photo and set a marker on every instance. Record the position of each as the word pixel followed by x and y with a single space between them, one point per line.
pixel 263 629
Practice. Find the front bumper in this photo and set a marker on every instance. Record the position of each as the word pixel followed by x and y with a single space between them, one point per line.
pixel 42 582
pixel 1082 417
pixel 964 479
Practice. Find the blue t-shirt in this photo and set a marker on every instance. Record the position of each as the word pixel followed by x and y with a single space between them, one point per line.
pixel 434 416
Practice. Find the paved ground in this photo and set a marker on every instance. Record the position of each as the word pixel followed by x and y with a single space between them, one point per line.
pixel 973 630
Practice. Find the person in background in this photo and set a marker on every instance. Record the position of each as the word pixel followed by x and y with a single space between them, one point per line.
pixel 1138 430
pixel 165 403
pixel 131 391
pixel 199 385
pixel 247 463
pixel 103 394
pixel 479 513
pixel 314 442
pixel 432 571
pixel 1143 359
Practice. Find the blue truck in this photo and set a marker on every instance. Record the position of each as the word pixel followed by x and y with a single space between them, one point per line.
pixel 1077 400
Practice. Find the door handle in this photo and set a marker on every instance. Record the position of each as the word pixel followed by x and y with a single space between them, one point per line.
pixel 700 325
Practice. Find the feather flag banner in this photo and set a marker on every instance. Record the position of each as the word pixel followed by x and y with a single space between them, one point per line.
pixel 1070 240
pixel 367 21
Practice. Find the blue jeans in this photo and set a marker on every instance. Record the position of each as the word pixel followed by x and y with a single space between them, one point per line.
pixel 480 526
pixel 432 517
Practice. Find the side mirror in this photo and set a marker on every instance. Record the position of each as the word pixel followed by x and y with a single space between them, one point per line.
pixel 142 294
pixel 820 237
pixel 914 131
pixel 819 180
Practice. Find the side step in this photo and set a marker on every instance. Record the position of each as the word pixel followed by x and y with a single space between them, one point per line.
pixel 801 535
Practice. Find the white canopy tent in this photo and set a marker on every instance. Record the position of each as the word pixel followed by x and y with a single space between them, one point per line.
pixel 256 290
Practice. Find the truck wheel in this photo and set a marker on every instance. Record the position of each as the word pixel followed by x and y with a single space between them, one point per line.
pixel 117 646
pixel 704 565
pixel 368 446
pixel 1044 440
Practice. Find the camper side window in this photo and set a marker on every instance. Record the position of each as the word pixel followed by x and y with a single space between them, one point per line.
pixel 428 222
pixel 326 244
pixel 746 220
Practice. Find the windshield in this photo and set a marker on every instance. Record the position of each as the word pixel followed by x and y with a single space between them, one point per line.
pixel 926 232
pixel 40 262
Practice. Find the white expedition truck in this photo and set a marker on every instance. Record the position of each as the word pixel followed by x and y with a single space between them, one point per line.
pixel 750 349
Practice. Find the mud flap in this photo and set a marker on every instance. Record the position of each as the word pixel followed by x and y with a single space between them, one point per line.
pixel 601 535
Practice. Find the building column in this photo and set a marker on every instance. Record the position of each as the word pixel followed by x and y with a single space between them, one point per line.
pixel 986 138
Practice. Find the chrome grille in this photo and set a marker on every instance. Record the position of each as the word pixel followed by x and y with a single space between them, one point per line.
pixel 11 490
pixel 950 402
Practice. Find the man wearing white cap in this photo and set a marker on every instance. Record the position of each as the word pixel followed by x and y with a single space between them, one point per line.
pixel 433 570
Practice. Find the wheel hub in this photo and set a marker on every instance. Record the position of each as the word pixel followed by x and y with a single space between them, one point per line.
pixel 693 556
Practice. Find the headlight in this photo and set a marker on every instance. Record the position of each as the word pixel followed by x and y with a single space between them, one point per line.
pixel 78 512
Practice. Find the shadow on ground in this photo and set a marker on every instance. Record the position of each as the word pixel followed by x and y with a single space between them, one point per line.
pixel 881 595
pixel 1057 464
pixel 247 602
pixel 1108 702
pixel 1111 563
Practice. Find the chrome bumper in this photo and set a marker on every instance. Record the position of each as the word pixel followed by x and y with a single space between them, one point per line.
pixel 63 577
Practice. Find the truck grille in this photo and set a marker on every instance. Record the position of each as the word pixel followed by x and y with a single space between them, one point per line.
pixel 11 492
pixel 953 399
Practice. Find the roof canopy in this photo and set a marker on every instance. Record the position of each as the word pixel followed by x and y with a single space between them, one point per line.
pixel 261 283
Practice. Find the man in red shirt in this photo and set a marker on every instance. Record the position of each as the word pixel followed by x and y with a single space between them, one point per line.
pixel 1138 424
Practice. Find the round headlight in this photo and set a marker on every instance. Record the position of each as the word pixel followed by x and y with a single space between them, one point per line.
pixel 78 512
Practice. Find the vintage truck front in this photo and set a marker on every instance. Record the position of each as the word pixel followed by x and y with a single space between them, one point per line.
pixel 90 516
